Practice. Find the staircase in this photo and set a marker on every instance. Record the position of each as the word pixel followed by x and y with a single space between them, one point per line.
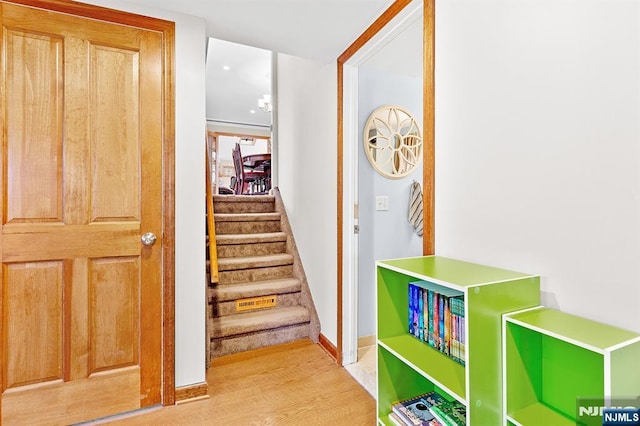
pixel 262 297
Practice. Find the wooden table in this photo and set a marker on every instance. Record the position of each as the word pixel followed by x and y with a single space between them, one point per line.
pixel 257 162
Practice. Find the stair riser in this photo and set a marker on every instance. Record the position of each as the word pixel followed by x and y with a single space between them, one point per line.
pixel 247 342
pixel 230 292
pixel 221 309
pixel 247 227
pixel 222 207
pixel 255 274
pixel 242 263
pixel 255 249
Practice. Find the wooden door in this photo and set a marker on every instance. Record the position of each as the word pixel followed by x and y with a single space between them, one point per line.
pixel 81 296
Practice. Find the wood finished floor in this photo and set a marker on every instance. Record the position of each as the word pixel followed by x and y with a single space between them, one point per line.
pixel 291 384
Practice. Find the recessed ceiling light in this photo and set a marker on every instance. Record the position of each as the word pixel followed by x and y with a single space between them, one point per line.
pixel 253 111
pixel 226 67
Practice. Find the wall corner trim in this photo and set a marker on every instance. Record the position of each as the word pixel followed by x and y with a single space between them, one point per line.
pixel 328 347
pixel 192 393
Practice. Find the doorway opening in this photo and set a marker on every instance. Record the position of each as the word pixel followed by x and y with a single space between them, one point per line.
pixel 387 69
pixel 224 172
pixel 240 110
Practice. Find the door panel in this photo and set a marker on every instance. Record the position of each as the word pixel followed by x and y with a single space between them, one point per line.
pixel 113 299
pixel 81 301
pixel 33 294
pixel 34 98
pixel 114 137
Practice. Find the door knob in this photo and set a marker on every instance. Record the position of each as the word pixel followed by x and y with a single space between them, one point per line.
pixel 148 239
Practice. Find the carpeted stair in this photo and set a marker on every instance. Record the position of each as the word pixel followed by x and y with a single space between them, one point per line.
pixel 257 258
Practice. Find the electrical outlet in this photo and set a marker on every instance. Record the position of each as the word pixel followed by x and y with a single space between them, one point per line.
pixel 382 202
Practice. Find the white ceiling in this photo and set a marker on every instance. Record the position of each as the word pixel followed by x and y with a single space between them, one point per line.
pixel 314 29
pixel 237 75
pixel 232 93
pixel 319 30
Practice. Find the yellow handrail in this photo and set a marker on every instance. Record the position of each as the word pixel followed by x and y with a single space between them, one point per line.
pixel 211 225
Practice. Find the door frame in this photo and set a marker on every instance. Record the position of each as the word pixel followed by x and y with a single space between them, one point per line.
pixel 392 21
pixel 167 30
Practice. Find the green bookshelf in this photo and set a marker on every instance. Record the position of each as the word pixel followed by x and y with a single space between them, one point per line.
pixel 408 367
pixel 553 360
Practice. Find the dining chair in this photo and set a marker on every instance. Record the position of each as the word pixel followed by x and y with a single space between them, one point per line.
pixel 246 181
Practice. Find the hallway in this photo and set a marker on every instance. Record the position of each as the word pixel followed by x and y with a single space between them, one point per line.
pixel 291 384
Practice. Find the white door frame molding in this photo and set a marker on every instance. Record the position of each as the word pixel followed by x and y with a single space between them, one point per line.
pixel 351 137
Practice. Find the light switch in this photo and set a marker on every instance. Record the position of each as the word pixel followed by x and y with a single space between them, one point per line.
pixel 382 202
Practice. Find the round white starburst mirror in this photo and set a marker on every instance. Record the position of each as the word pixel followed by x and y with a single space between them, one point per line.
pixel 393 141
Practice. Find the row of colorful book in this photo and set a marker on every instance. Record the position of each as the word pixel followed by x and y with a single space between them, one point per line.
pixel 429 409
pixel 436 317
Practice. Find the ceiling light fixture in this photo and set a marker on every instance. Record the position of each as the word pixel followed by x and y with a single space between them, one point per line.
pixel 264 103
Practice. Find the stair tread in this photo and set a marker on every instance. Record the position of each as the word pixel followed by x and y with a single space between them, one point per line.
pixel 256 288
pixel 244 198
pixel 266 237
pixel 248 262
pixel 259 339
pixel 248 322
pixel 246 217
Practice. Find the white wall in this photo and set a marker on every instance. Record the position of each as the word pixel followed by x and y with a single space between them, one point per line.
pixel 537 146
pixel 383 234
pixel 189 184
pixel 307 148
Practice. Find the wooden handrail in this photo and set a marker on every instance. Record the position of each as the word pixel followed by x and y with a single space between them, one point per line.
pixel 211 224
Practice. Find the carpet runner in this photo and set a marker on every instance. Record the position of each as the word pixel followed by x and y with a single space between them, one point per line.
pixel 257 257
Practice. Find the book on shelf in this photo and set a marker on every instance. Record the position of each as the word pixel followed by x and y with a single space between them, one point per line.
pixel 414 311
pixel 429 321
pixel 412 325
pixel 420 315
pixel 450 413
pixel 396 420
pixel 457 328
pixel 436 317
pixel 416 411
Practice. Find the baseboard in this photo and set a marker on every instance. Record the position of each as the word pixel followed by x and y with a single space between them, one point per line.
pixel 366 341
pixel 328 347
pixel 192 393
